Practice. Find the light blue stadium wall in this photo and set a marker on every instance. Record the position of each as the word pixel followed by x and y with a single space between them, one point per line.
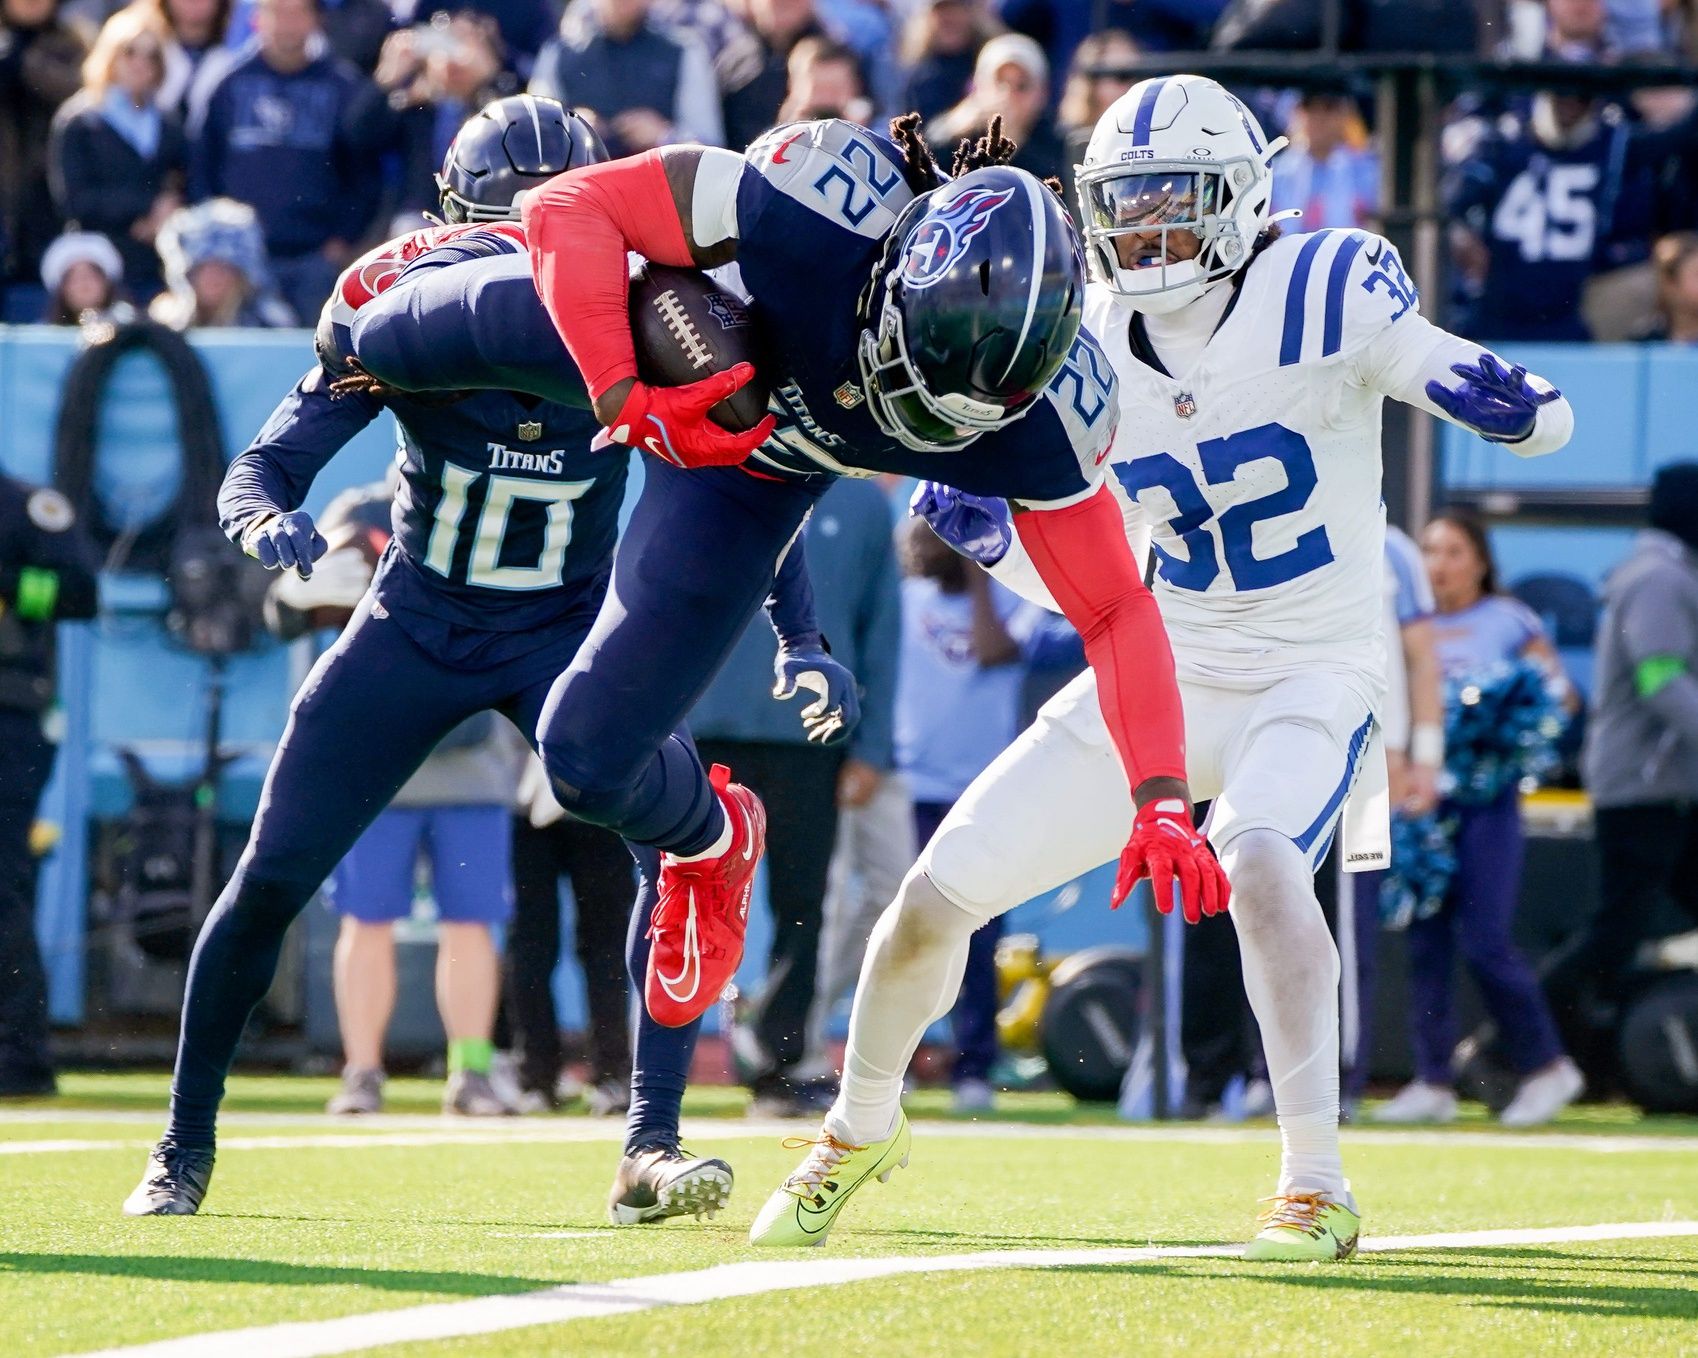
pixel 124 684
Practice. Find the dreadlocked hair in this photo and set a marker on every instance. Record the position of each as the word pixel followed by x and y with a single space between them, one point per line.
pixel 919 167
pixel 991 149
pixel 356 381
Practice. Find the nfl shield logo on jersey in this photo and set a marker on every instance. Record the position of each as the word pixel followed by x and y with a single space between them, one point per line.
pixel 848 396
pixel 530 430
pixel 1185 405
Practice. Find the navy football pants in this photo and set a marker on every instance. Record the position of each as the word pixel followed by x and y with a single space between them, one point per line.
pixel 696 561
pixel 374 707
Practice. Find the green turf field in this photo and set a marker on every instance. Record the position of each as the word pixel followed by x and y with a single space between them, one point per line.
pixel 410 1210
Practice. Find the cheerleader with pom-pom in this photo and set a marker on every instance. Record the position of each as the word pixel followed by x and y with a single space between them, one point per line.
pixel 1502 714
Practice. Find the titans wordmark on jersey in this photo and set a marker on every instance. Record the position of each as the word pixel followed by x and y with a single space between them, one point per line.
pixel 1259 470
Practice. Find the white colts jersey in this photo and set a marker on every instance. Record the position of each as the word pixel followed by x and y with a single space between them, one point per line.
pixel 1258 470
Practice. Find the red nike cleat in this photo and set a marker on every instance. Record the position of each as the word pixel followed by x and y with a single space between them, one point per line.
pixel 701 917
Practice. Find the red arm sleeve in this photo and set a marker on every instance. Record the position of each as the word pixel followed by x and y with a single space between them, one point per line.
pixel 580 226
pixel 1083 556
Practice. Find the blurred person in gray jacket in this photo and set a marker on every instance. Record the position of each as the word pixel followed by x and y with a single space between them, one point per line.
pixel 851 559
pixel 1641 757
pixel 454 811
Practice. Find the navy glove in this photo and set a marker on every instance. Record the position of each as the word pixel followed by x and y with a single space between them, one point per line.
pixel 977 526
pixel 1495 402
pixel 833 714
pixel 280 541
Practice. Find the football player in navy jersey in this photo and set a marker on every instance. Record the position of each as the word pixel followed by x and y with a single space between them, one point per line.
pixel 504 528
pixel 916 324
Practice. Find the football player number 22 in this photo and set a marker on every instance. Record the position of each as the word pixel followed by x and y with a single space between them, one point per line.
pixel 1221 459
pixel 500 495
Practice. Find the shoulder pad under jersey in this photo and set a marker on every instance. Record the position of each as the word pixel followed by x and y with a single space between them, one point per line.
pixel 847 175
pixel 1331 291
pixel 376 271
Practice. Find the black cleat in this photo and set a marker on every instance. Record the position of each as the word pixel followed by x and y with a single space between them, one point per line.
pixel 657 1182
pixel 175 1182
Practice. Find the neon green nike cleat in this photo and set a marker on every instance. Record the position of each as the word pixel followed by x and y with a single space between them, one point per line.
pixel 802 1209
pixel 1300 1227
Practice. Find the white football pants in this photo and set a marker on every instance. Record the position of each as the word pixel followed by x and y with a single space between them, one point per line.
pixel 1277 762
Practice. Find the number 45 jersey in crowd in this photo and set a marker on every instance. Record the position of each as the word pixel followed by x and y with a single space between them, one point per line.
pixel 504 520
pixel 1258 470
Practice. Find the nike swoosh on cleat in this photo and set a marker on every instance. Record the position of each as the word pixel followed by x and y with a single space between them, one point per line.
pixel 748 836
pixel 692 959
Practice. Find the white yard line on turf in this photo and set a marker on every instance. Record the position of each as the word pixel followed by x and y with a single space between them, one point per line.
pixel 426 1130
pixel 588 1301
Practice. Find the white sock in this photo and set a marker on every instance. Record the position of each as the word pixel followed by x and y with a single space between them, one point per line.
pixel 714 850
pixel 1291 977
pixel 909 979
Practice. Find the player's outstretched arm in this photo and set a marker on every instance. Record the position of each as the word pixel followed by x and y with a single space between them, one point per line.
pixel 259 500
pixel 1084 558
pixel 1416 362
pixel 581 226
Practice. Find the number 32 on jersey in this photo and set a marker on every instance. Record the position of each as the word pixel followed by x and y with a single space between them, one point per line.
pixel 1209 537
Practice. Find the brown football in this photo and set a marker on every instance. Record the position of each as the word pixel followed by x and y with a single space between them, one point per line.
pixel 687 327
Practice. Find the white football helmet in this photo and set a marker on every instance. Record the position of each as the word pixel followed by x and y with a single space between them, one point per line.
pixel 1174 154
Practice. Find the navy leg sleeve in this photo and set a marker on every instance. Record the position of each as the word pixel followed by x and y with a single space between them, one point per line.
pixel 696 561
pixel 660 1060
pixel 372 709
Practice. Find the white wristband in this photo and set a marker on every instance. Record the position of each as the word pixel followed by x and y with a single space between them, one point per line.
pixel 1426 744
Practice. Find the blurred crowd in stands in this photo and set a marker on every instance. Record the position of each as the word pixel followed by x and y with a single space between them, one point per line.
pixel 220 160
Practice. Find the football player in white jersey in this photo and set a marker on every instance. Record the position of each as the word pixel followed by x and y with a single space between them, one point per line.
pixel 1252 368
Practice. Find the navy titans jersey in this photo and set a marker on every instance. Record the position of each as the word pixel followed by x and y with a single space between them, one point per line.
pixel 504 521
pixel 814 206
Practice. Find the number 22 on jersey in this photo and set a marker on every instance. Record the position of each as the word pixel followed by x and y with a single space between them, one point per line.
pixel 1195 522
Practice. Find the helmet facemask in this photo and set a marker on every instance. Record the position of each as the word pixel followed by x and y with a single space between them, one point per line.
pixel 1218 202
pixel 458 210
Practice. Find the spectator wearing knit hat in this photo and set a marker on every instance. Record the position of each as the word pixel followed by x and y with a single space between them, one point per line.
pixel 216 271
pixel 82 273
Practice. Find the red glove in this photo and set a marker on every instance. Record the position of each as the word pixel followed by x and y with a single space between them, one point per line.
pixel 672 422
pixel 1165 847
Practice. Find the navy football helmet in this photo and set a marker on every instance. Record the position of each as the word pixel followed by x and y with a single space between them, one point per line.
pixel 974 305
pixel 508 146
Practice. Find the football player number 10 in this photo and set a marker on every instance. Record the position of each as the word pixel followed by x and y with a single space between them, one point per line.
pixel 1221 459
pixel 501 493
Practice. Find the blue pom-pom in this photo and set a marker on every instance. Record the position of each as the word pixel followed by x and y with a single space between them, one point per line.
pixel 1423 860
pixel 1501 728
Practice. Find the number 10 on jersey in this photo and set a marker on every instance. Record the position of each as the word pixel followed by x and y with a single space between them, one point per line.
pixel 501 493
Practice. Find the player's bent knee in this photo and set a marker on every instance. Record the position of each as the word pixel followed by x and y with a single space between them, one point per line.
pixel 966 870
pixel 922 921
pixel 1265 869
